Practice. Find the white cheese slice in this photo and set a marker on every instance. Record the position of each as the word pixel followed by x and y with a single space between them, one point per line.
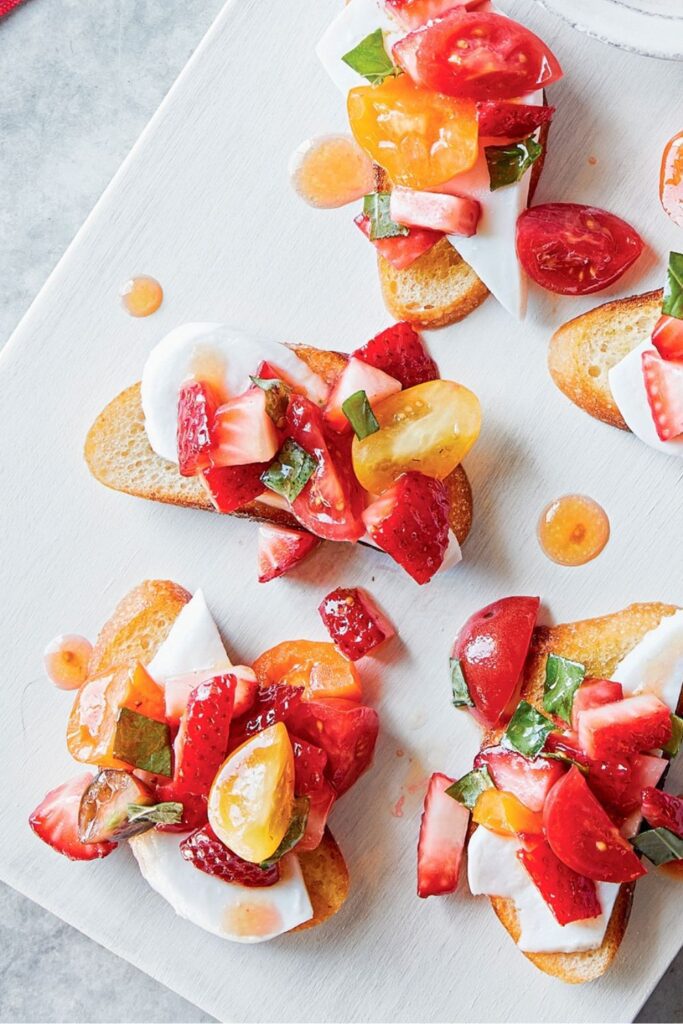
pixel 354 22
pixel 192 646
pixel 628 390
pixel 494 870
pixel 655 665
pixel 235 912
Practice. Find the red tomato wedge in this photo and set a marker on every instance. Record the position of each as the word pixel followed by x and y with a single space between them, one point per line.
pixel 477 55
pixel 570 896
pixel 346 731
pixel 573 249
pixel 667 337
pixel 619 783
pixel 583 836
pixel 511 120
pixel 413 13
pixel 592 693
pixel 626 727
pixel 492 647
pixel 671 179
pixel 402 250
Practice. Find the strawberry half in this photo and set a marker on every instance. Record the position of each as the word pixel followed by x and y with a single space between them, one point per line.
pixel 196 411
pixel 664 386
pixel 667 337
pixel 243 432
pixel 310 762
pixel 402 250
pixel 354 622
pixel 443 831
pixel 55 821
pixel 280 549
pixel 400 352
pixel 663 810
pixel 410 523
pixel 205 850
pixel 231 487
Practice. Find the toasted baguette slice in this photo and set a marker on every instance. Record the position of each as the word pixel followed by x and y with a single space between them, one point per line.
pixel 138 626
pixel 599 644
pixel 119 455
pixel 584 350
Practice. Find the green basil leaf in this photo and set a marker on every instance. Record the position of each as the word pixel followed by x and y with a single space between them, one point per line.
pixel 507 164
pixel 559 755
pixel 659 845
pixel 358 412
pixel 294 833
pixel 277 398
pixel 562 679
pixel 469 788
pixel 290 472
pixel 142 742
pixel 168 813
pixel 674 744
pixel 370 59
pixel 527 730
pixel 673 288
pixel 376 208
pixel 461 694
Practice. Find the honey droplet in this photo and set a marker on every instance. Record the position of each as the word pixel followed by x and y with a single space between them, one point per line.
pixel 141 296
pixel 331 171
pixel 573 530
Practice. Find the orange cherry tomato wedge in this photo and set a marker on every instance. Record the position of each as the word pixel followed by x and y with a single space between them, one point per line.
pixel 502 812
pixel 420 138
pixel 671 179
pixel 317 667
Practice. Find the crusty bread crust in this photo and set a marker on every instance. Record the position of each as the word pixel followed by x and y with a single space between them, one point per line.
pixel 584 350
pixel 138 626
pixel 600 644
pixel 119 455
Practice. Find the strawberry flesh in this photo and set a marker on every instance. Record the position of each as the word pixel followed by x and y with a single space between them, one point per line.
pixel 273 704
pixel 280 549
pixel 353 622
pixel 402 250
pixel 310 762
pixel 663 810
pixel 205 851
pixel 400 352
pixel 570 896
pixel 232 487
pixel 529 779
pixel 55 821
pixel 443 831
pixel 624 727
pixel 664 386
pixel 346 731
pixel 410 523
pixel 318 813
pixel 592 693
pixel 196 412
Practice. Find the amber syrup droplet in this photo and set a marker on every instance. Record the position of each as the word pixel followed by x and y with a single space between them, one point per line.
pixel 141 296
pixel 573 530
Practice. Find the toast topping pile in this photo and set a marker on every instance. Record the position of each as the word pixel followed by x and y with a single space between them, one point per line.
pixel 564 793
pixel 218 773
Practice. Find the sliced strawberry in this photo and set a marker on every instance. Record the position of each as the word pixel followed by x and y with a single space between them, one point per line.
pixel 592 693
pixel 570 896
pixel 205 850
pixel 318 813
pixel 626 727
pixel 245 690
pixel 55 821
pixel 618 783
pixel 232 487
pixel 508 119
pixel 400 352
pixel 454 215
pixel 196 412
pixel 402 250
pixel 354 622
pixel 529 779
pixel 664 386
pixel 280 549
pixel 667 337
pixel 415 13
pixel 357 375
pixel 410 523
pixel 310 762
pixel 663 810
pixel 346 731
pixel 243 431
pixel 272 705
pixel 443 831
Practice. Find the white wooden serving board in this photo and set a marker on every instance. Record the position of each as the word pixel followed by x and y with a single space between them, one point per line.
pixel 203 203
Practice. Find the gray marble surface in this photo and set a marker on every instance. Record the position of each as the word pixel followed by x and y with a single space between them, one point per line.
pixel 78 82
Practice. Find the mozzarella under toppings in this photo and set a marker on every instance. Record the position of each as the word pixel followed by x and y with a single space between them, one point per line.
pixel 193 645
pixel 355 21
pixel 655 665
pixel 628 391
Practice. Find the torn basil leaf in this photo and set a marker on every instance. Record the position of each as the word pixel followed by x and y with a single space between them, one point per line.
pixel 659 845
pixel 469 788
pixel 358 412
pixel 461 694
pixel 676 739
pixel 527 730
pixel 370 59
pixel 294 833
pixel 507 164
pixel 562 679
pixel 376 209
pixel 167 813
pixel 142 742
pixel 290 472
pixel 673 287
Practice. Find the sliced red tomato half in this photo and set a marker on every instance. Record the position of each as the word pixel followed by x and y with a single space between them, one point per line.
pixel 570 896
pixel 477 55
pixel 582 835
pixel 511 120
pixel 492 647
pixel 346 731
pixel 573 249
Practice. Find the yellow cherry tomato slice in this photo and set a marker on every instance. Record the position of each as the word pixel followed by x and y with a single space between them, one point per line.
pixel 316 666
pixel 502 812
pixel 420 138
pixel 428 428
pixel 251 800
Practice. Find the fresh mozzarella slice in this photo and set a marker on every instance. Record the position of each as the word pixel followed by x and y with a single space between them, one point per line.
pixel 655 665
pixel 223 356
pixel 353 23
pixel 193 645
pixel 236 912
pixel 628 391
pixel 494 870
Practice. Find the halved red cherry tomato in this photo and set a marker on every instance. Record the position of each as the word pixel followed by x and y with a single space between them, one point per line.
pixel 570 896
pixel 582 835
pixel 331 503
pixel 671 179
pixel 346 731
pixel 477 55
pixel 573 249
pixel 492 647
pixel 667 336
pixel 511 120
